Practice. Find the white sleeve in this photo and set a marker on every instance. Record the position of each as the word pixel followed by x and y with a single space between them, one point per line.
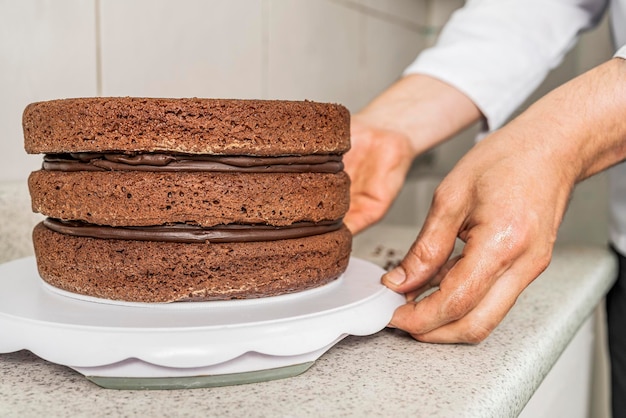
pixel 621 53
pixel 498 51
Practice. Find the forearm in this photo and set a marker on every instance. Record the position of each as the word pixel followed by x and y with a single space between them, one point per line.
pixel 505 199
pixel 423 108
pixel 411 116
pixel 498 52
pixel 580 125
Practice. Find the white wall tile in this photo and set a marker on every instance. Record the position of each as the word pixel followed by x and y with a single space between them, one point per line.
pixel 387 50
pixel 331 51
pixel 413 202
pixel 47 51
pixel 187 48
pixel 441 10
pixel 595 46
pixel 586 220
pixel 410 11
pixel 313 51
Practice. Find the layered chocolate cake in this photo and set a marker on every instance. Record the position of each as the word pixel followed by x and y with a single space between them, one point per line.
pixel 163 200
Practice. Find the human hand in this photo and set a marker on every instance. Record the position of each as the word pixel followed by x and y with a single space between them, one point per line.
pixel 505 199
pixel 411 116
pixel 377 164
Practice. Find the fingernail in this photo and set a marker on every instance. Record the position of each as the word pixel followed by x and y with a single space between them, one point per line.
pixel 396 277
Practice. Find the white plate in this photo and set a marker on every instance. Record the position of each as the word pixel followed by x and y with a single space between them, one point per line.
pixel 188 344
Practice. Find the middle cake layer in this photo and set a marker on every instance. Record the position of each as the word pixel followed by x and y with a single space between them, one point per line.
pixel 201 198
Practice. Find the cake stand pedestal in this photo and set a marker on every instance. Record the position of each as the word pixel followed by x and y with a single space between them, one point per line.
pixel 188 345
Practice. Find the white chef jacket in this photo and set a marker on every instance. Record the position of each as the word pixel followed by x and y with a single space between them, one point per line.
pixel 498 51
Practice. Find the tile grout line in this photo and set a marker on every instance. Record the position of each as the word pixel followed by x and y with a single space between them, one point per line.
pixel 430 11
pixel 98 50
pixel 430 32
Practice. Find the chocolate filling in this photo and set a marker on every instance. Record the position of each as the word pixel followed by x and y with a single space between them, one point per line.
pixel 183 233
pixel 182 162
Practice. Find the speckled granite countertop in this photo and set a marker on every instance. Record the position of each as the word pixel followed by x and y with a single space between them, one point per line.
pixel 386 374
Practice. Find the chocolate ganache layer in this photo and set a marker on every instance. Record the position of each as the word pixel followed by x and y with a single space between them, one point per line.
pixel 326 163
pixel 183 233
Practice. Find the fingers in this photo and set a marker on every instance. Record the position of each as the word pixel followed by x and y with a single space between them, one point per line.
pixel 476 325
pixel 430 252
pixel 377 165
pixel 475 293
pixel 459 292
pixel 433 282
pixel 509 225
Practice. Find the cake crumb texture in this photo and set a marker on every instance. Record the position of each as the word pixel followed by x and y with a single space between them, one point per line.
pixel 143 271
pixel 165 271
pixel 194 126
pixel 128 198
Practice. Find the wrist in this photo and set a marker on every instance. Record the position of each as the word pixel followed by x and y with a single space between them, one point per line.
pixel 423 109
pixel 579 126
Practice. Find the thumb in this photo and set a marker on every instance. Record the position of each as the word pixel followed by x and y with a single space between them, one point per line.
pixel 428 254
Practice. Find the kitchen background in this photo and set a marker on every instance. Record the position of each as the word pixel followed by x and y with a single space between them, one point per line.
pixel 344 51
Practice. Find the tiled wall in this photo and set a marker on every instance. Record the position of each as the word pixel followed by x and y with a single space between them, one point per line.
pixel 47 50
pixel 342 51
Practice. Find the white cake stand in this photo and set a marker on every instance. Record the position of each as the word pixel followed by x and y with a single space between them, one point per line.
pixel 186 345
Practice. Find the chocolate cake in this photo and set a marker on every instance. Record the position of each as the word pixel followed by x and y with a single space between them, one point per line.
pixel 164 200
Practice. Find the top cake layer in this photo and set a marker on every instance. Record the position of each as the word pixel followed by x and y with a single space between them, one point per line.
pixel 188 126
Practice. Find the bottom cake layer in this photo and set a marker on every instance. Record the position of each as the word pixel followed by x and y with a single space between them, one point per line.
pixel 155 271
